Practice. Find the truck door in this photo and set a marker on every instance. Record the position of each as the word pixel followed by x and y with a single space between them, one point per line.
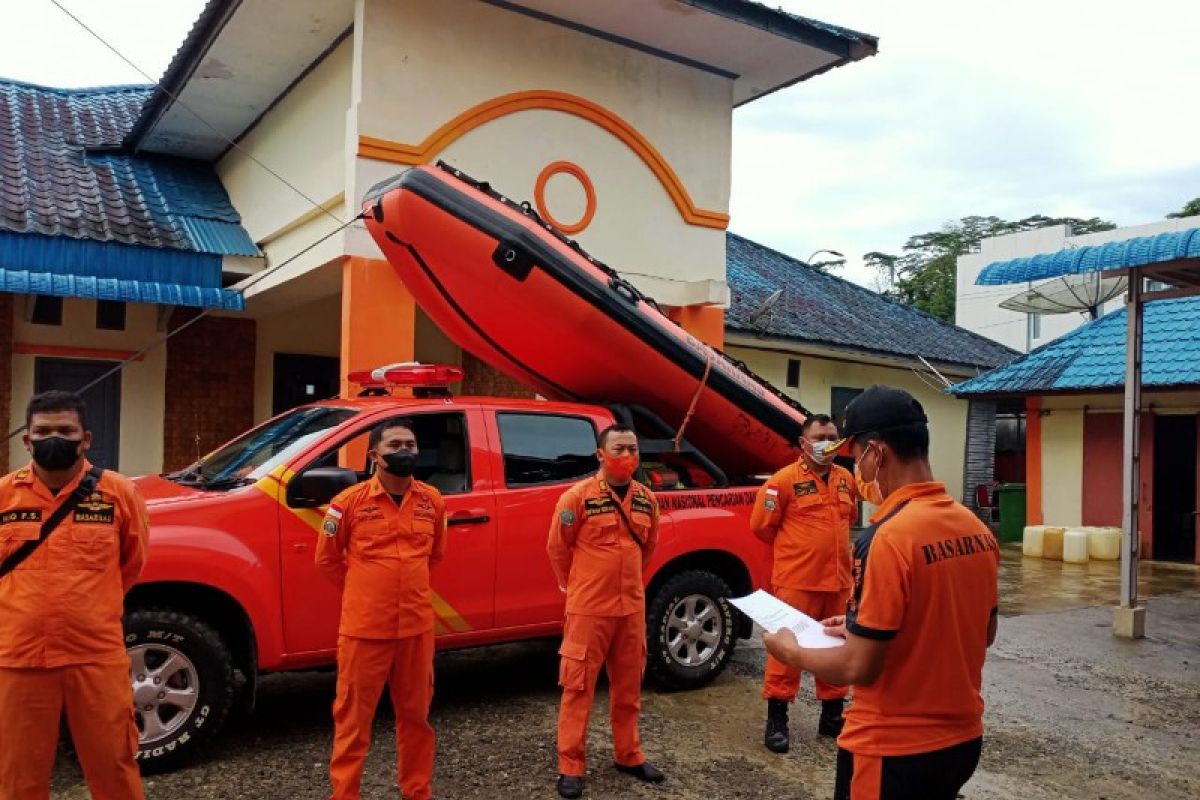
pixel 542 454
pixel 452 459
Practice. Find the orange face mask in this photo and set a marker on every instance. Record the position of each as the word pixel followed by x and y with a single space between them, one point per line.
pixel 620 468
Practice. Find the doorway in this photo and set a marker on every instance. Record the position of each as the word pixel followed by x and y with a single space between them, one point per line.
pixel 301 379
pixel 1175 488
pixel 103 400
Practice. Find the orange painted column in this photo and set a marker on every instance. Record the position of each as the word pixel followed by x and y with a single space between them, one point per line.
pixel 1033 461
pixel 378 327
pixel 706 323
pixel 378 317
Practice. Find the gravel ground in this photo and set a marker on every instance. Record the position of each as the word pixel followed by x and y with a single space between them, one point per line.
pixel 1072 713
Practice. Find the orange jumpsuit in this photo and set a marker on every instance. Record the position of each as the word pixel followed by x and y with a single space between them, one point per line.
pixel 598 546
pixel 381 553
pixel 61 642
pixel 807 520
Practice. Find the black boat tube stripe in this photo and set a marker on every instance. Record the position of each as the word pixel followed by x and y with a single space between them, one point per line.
pixel 479 331
pixel 501 229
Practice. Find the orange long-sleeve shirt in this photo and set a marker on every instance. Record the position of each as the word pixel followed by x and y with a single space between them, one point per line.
pixel 381 554
pixel 807 520
pixel 596 554
pixel 62 606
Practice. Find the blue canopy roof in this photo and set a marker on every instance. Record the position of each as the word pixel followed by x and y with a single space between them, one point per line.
pixel 1092 358
pixel 58 265
pixel 1139 252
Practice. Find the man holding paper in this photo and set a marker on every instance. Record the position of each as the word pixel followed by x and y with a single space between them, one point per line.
pixel 919 622
pixel 805 511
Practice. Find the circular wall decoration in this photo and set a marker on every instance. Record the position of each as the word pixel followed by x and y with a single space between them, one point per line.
pixel 539 195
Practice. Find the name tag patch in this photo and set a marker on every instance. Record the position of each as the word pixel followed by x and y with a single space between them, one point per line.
pixel 805 488
pixel 96 511
pixel 598 505
pixel 21 515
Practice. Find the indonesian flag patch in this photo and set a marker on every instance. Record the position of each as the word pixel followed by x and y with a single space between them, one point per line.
pixel 333 518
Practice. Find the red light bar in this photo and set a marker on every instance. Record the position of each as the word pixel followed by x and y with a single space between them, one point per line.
pixel 407 374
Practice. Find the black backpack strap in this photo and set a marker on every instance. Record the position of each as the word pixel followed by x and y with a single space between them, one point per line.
pixel 83 490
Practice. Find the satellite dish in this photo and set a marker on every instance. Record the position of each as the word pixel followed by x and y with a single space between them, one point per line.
pixel 1086 292
pixel 766 308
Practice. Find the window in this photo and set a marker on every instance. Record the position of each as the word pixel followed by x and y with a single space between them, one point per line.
pixel 442 444
pixel 47 310
pixel 793 373
pixel 839 398
pixel 110 315
pixel 665 472
pixel 1035 326
pixel 544 448
pixel 256 453
pixel 1010 434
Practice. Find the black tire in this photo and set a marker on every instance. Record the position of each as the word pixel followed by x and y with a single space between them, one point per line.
pixel 153 635
pixel 668 649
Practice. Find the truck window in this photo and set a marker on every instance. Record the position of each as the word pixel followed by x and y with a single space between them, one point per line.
pixel 259 451
pixel 443 445
pixel 665 472
pixel 546 448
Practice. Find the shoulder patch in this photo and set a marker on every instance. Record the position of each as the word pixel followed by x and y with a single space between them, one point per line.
pixel 566 517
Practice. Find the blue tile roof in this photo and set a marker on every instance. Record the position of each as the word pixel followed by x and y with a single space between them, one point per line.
pixel 1137 252
pixel 827 310
pixel 61 175
pixel 1093 357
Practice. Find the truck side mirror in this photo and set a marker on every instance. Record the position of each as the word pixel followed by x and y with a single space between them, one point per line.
pixel 318 486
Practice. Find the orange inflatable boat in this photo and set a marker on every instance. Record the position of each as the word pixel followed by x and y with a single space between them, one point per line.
pixel 505 286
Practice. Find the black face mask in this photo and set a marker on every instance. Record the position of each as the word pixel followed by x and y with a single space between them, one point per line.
pixel 55 453
pixel 400 464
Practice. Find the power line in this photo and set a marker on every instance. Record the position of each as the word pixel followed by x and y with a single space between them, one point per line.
pixel 246 285
pixel 196 114
pixel 204 313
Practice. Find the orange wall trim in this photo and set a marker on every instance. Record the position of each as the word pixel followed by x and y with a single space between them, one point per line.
pixel 62 351
pixel 589 191
pixel 545 99
pixel 1033 461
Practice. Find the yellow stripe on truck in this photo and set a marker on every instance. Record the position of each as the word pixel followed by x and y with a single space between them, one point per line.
pixel 274 485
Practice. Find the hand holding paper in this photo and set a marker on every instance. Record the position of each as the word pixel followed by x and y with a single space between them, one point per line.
pixel 772 614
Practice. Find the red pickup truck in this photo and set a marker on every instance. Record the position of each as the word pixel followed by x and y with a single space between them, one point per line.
pixel 231 591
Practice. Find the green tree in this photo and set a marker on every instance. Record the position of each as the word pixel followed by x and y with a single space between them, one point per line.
pixel 1190 209
pixel 923 275
pixel 827 266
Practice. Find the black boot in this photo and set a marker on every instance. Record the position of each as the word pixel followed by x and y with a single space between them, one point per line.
pixel 644 771
pixel 831 721
pixel 570 786
pixel 776 737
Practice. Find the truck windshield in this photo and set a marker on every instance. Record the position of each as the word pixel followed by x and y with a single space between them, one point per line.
pixel 256 453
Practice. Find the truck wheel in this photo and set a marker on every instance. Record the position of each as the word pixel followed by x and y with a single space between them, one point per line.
pixel 183 687
pixel 690 630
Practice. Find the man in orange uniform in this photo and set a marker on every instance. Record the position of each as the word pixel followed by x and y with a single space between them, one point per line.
pixel 379 541
pixel 61 642
pixel 919 622
pixel 604 531
pixel 805 511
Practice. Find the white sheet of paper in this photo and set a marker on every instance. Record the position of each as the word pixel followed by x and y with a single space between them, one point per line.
pixel 772 614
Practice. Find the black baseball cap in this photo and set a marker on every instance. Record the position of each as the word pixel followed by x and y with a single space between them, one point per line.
pixel 879 408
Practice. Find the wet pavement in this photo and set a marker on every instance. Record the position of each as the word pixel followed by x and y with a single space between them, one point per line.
pixel 1071 713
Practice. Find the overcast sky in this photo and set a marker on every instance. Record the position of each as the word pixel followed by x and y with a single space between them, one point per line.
pixel 1059 107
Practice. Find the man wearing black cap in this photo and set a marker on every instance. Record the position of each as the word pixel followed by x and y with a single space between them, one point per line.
pixel 919 622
